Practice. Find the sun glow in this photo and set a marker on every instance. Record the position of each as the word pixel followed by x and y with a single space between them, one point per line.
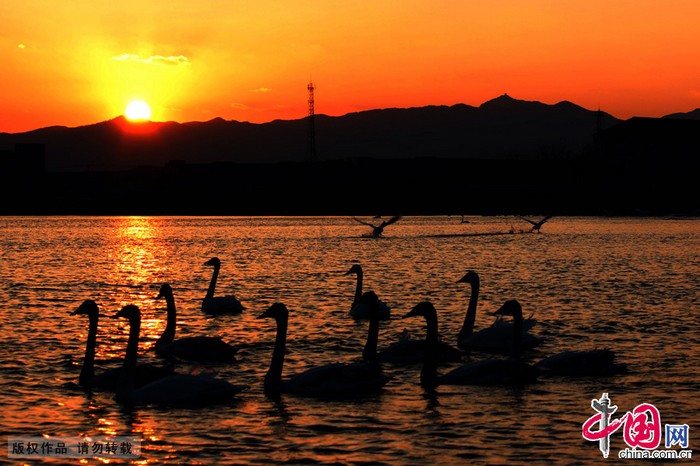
pixel 138 110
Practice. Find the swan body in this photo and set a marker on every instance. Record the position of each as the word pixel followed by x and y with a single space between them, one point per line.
pixel 175 389
pixel 107 379
pixel 359 309
pixel 490 372
pixel 408 350
pixel 216 305
pixel 599 362
pixel 519 341
pixel 196 348
pixel 337 380
pixel 498 338
pixel 487 372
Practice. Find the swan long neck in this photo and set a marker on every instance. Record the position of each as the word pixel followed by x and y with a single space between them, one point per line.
pixel 517 331
pixel 428 373
pixel 358 288
pixel 125 384
pixel 369 353
pixel 169 333
pixel 432 333
pixel 88 370
pixel 273 378
pixel 470 317
pixel 212 283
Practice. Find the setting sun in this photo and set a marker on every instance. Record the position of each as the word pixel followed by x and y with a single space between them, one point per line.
pixel 251 61
pixel 138 110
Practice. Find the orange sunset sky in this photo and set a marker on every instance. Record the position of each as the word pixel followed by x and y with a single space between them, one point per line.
pixel 80 62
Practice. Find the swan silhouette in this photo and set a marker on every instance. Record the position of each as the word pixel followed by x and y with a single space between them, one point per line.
pixel 338 380
pixel 360 310
pixel 174 389
pixel 408 350
pixel 377 230
pixel 485 372
pixel 536 225
pixel 494 339
pixel 576 363
pixel 107 379
pixel 517 342
pixel 197 348
pixel 582 363
pixel 216 305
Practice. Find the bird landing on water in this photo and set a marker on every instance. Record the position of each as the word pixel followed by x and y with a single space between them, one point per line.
pixel 377 230
pixel 536 225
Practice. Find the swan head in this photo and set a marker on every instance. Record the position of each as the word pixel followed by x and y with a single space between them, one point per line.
pixel 165 290
pixel 214 261
pixel 356 268
pixel 424 309
pixel 510 308
pixel 276 311
pixel 88 307
pixel 130 311
pixel 470 277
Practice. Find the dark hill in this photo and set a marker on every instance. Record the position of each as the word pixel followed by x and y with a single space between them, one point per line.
pixel 502 128
pixel 692 115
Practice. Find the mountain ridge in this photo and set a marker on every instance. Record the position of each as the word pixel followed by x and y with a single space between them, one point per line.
pixel 500 128
pixel 505 156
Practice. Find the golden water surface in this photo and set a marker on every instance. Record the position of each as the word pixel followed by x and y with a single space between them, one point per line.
pixel 630 284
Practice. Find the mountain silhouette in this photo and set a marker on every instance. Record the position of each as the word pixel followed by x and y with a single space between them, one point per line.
pixel 506 156
pixel 501 128
pixel 692 115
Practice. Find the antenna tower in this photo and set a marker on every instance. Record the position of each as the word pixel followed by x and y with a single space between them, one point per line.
pixel 312 127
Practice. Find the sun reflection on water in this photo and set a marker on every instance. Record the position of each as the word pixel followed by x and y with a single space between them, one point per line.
pixel 137 254
pixel 106 427
pixel 137 249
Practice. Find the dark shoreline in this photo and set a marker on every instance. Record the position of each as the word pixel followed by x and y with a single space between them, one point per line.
pixel 423 186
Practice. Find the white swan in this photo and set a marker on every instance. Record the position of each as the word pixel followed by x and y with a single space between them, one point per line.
pixel 216 305
pixel 575 363
pixel 408 350
pixel 518 341
pixel 485 372
pixel 174 389
pixel 494 339
pixel 199 348
pixel 359 310
pixel 337 380
pixel 582 363
pixel 107 379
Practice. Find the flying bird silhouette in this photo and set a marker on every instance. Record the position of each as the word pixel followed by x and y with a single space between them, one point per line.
pixel 536 225
pixel 377 230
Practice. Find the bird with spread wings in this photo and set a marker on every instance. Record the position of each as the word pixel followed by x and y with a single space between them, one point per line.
pixel 536 225
pixel 377 230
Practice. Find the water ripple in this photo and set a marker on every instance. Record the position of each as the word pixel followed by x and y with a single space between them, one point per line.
pixel 626 284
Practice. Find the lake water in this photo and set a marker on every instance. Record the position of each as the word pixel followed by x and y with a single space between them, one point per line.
pixel 625 283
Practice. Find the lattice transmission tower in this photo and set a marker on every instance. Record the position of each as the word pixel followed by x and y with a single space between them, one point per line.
pixel 312 125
